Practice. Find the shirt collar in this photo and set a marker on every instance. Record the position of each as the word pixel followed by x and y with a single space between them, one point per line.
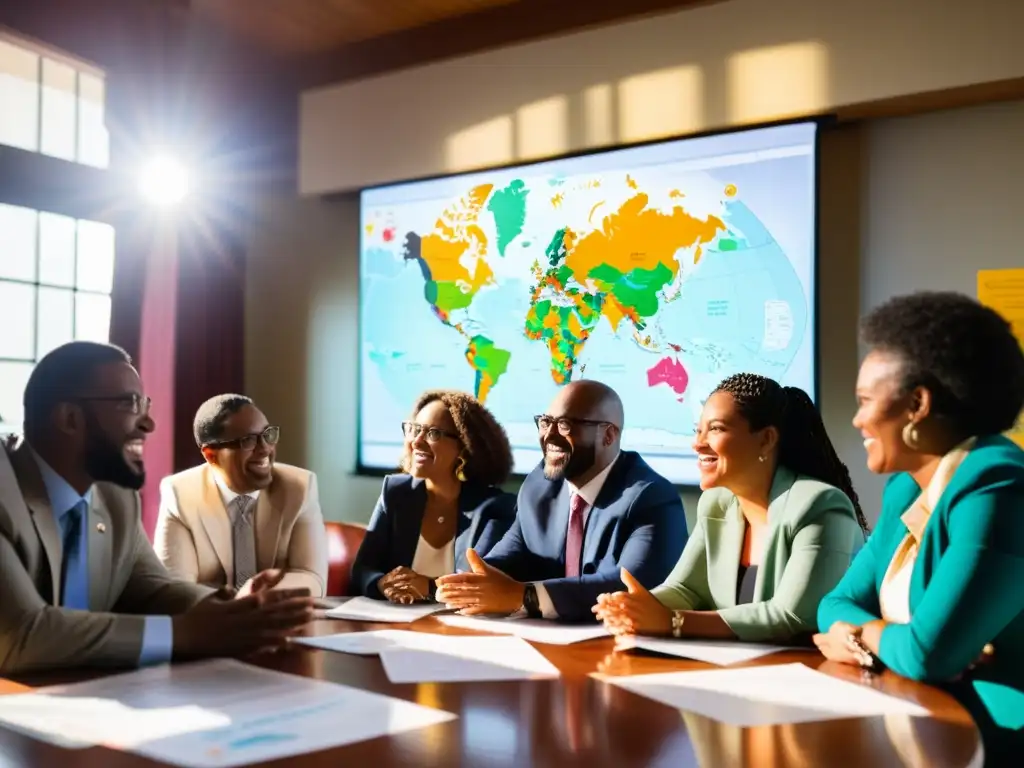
pixel 63 498
pixel 592 487
pixel 917 516
pixel 227 494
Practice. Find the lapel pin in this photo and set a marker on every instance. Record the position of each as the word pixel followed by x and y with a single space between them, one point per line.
pixel 101 527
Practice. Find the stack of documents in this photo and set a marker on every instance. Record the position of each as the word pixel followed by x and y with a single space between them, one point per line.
pixel 419 657
pixel 772 695
pixel 534 630
pixel 367 609
pixel 215 713
pixel 720 652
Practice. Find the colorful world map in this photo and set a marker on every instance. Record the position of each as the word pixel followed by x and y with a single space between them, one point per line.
pixel 510 290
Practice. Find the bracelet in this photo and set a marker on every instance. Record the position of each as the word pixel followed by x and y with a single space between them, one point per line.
pixel 865 657
pixel 678 617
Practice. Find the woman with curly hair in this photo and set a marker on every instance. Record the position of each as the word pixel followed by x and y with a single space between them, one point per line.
pixel 777 525
pixel 938 592
pixel 445 501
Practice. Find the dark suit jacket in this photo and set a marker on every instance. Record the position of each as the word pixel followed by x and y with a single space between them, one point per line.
pixel 485 514
pixel 637 523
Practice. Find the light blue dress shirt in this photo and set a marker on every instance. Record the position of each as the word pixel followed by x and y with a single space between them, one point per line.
pixel 157 634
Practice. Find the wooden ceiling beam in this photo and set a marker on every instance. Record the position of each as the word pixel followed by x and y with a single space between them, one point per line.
pixel 459 36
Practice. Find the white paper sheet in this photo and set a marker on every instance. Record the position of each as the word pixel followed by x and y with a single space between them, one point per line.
pixel 467 659
pixel 723 653
pixel 373 642
pixel 367 609
pixel 773 695
pixel 534 630
pixel 213 714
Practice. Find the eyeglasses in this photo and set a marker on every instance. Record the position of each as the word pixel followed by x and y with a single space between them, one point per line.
pixel 565 424
pixel 269 436
pixel 130 402
pixel 411 430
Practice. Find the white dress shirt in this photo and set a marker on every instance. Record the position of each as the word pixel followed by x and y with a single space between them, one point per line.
pixel 589 493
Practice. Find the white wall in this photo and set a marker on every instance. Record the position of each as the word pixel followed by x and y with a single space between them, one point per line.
pixel 727 63
pixel 907 204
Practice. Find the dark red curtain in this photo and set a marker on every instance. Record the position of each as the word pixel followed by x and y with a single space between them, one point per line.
pixel 210 330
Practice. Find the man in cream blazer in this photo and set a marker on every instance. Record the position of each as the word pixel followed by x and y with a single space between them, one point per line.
pixel 240 512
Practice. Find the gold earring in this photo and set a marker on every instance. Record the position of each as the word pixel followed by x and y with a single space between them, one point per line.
pixel 460 468
pixel 911 438
pixel 761 459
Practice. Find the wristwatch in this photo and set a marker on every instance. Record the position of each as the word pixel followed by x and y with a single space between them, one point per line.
pixel 530 602
pixel 677 623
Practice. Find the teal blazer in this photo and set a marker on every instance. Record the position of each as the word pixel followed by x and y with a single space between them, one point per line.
pixel 812 536
pixel 967 586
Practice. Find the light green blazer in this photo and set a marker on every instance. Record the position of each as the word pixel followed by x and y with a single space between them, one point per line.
pixel 812 536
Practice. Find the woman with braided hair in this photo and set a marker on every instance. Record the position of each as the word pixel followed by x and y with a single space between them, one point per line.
pixel 445 501
pixel 777 525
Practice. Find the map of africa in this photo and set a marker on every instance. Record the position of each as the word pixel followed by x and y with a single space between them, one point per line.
pixel 659 284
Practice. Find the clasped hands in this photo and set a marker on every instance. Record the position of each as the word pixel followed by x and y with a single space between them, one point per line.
pixel 404 586
pixel 633 612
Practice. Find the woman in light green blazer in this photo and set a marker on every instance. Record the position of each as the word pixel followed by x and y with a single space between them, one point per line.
pixel 777 525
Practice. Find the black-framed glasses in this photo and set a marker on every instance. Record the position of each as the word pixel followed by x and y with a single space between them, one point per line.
pixel 411 430
pixel 131 402
pixel 565 424
pixel 269 436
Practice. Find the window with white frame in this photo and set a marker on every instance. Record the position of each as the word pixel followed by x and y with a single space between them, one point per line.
pixel 52 104
pixel 56 277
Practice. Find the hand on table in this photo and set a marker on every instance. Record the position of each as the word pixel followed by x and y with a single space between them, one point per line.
pixel 835 644
pixel 484 590
pixel 404 586
pixel 261 621
pixel 261 582
pixel 633 612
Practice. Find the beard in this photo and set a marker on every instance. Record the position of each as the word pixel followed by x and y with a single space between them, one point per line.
pixel 105 461
pixel 577 460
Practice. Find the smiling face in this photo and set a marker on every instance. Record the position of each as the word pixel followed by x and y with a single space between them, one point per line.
pixel 728 451
pixel 243 468
pixel 432 446
pixel 117 422
pixel 883 411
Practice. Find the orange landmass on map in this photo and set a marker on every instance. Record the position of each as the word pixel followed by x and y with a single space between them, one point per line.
pixel 638 237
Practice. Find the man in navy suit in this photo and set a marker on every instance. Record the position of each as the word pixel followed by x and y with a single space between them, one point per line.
pixel 586 511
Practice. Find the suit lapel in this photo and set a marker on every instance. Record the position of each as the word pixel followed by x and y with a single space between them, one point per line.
pixel 99 530
pixel 217 523
pixel 34 492
pixel 724 547
pixel 559 516
pixel 269 518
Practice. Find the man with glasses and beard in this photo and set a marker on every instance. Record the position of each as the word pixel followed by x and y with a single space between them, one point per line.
pixel 241 512
pixel 587 511
pixel 80 585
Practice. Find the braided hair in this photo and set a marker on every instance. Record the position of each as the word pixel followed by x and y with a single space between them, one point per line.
pixel 804 445
pixel 484 442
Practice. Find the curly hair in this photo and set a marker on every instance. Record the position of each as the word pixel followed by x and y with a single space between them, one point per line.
pixel 484 442
pixel 804 445
pixel 963 353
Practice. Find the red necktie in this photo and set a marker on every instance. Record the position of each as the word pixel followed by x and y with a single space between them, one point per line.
pixel 574 539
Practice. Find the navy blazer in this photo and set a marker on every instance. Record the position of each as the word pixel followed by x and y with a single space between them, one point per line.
pixel 485 514
pixel 637 523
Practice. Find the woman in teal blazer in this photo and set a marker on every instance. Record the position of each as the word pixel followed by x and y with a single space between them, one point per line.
pixel 938 592
pixel 777 525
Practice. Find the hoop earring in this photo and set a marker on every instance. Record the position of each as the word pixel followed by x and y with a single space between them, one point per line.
pixel 460 470
pixel 911 437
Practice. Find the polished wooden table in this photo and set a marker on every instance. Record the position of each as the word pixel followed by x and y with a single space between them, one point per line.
pixel 579 720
